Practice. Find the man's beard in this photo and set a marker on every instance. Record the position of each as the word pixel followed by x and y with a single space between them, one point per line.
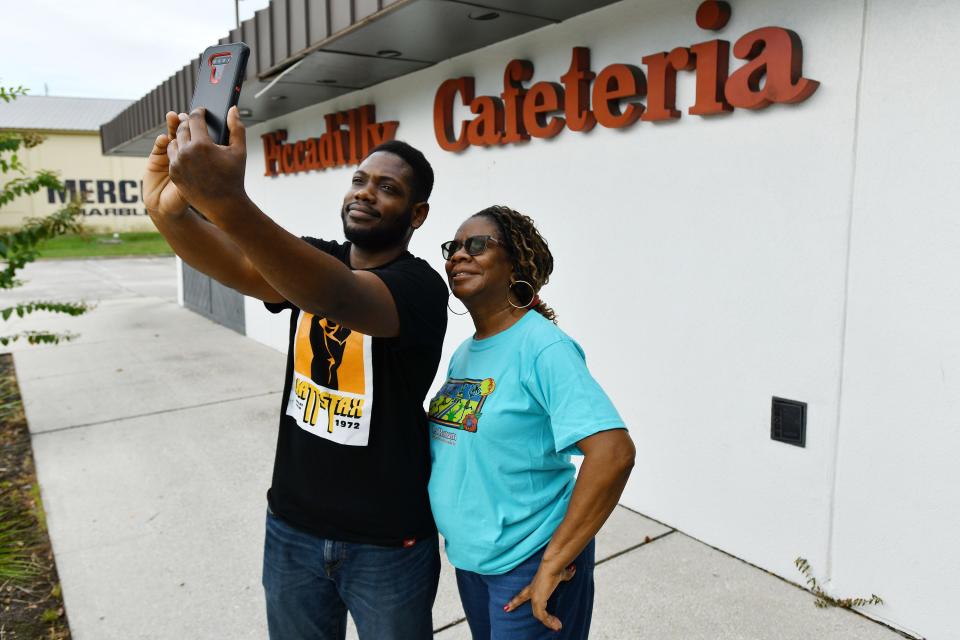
pixel 382 236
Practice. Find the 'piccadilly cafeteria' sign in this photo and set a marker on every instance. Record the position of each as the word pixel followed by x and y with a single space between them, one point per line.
pixel 772 73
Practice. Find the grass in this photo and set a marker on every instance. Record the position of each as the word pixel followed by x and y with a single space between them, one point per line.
pixel 16 561
pixel 96 245
pixel 31 602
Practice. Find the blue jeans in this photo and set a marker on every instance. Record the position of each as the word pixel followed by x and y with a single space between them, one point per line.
pixel 483 599
pixel 311 583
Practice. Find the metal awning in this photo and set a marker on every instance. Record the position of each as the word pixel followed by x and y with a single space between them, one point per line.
pixel 308 51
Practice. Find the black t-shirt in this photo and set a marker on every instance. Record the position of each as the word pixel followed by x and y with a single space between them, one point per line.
pixel 353 452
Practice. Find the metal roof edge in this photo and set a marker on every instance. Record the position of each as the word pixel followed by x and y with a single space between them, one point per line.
pixel 274 31
pixel 294 58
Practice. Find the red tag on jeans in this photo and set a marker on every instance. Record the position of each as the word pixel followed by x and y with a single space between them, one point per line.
pixel 409 542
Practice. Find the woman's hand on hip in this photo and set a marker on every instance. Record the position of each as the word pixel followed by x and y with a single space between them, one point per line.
pixel 538 592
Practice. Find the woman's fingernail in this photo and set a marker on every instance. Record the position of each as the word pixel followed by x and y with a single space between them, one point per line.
pixel 506 607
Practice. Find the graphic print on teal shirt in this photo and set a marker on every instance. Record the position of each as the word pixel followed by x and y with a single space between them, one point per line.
pixel 458 403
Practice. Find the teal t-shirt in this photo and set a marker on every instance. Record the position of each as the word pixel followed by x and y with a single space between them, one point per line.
pixel 502 429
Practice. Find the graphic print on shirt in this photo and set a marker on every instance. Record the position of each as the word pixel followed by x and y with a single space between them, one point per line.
pixel 458 403
pixel 332 391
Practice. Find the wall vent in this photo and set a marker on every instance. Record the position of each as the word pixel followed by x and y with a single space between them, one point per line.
pixel 788 422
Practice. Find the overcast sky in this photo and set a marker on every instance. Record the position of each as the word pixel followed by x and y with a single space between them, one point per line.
pixel 108 48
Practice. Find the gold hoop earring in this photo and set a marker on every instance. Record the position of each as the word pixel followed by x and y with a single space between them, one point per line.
pixel 456 313
pixel 533 294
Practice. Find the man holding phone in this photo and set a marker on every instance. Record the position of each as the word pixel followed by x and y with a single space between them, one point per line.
pixel 349 524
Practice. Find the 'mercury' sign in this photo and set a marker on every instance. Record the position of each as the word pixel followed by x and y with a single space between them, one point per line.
pixel 772 73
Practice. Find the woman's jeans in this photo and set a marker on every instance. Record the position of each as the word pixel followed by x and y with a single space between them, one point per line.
pixel 311 583
pixel 483 599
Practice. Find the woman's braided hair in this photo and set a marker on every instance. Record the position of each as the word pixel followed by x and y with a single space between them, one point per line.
pixel 529 254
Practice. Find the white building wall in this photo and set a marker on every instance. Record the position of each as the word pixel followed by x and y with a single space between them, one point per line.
pixel 703 264
pixel 898 485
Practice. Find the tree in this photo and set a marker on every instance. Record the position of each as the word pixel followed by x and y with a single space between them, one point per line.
pixel 20 246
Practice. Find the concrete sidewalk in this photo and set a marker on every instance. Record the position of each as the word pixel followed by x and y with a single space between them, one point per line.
pixel 154 437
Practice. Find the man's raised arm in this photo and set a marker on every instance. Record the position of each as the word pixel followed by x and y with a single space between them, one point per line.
pixel 211 177
pixel 199 243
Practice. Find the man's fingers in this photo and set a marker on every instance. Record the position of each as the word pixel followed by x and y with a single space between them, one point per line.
pixel 198 125
pixel 172 150
pixel 183 130
pixel 160 145
pixel 172 122
pixel 238 133
pixel 157 161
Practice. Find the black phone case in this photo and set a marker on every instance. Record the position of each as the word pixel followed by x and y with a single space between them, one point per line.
pixel 219 80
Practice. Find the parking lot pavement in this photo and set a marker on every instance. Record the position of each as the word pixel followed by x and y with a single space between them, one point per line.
pixel 97 279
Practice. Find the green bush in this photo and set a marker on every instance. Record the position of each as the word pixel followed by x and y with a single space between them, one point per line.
pixel 19 247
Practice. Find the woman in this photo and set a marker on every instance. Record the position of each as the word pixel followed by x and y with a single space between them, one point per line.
pixel 518 400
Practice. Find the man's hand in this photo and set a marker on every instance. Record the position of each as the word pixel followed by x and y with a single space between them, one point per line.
pixel 539 591
pixel 160 196
pixel 209 176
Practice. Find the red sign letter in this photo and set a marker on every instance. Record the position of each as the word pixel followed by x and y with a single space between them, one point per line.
pixel 543 98
pixel 662 90
pixel 484 130
pixel 272 143
pixel 612 84
pixel 713 62
pixel 513 92
pixel 443 113
pixel 777 54
pixel 576 83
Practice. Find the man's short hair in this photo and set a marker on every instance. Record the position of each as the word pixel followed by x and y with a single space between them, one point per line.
pixel 422 183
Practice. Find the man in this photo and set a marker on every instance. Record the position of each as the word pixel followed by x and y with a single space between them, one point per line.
pixel 349 524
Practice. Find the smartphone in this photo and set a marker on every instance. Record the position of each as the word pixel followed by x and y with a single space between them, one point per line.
pixel 218 85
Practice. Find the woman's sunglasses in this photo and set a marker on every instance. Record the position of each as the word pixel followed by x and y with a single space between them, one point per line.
pixel 475 245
